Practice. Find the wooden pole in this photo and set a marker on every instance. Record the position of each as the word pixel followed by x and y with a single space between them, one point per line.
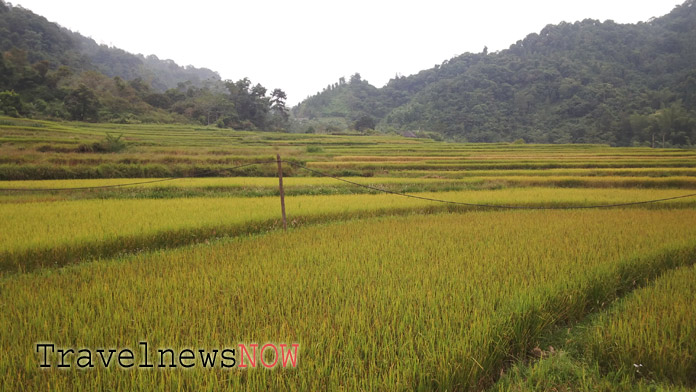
pixel 282 192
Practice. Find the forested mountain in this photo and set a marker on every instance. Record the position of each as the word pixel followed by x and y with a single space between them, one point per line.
pixel 587 81
pixel 49 71
pixel 44 41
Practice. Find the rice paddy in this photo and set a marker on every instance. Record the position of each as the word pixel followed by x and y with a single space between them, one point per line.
pixel 651 335
pixel 378 291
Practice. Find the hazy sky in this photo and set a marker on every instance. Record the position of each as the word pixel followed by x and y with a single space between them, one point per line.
pixel 303 45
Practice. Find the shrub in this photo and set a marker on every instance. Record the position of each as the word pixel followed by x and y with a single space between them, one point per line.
pixel 110 143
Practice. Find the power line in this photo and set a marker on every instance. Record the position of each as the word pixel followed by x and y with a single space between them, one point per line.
pixel 116 185
pixel 323 174
pixel 84 187
pixel 488 205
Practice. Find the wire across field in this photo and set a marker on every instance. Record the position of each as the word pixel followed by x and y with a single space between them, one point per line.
pixel 684 182
pixel 55 233
pixel 409 264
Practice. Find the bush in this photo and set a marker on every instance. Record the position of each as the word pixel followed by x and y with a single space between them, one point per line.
pixel 110 143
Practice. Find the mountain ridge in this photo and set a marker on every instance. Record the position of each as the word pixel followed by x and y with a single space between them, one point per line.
pixel 587 81
pixel 48 41
pixel 48 71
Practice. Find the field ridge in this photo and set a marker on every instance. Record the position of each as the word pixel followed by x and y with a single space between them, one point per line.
pixel 580 300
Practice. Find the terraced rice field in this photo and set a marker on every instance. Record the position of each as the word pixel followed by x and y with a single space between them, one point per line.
pixel 378 290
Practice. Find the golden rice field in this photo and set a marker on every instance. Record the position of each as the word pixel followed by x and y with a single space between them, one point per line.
pixel 434 302
pixel 230 183
pixel 31 149
pixel 377 290
pixel 645 342
pixel 58 232
pixel 652 333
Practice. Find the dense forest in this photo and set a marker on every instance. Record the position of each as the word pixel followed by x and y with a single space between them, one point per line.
pixel 47 71
pixel 588 81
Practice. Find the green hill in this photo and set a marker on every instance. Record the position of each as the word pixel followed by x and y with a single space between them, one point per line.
pixel 40 40
pixel 47 71
pixel 588 81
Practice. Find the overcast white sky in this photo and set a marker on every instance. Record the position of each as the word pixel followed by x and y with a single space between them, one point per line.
pixel 303 45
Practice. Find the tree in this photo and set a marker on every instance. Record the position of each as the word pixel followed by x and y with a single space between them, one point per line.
pixel 82 104
pixel 10 103
pixel 365 122
pixel 5 73
pixel 258 91
pixel 42 68
pixel 355 79
pixel 251 103
pixel 279 112
pixel 260 106
pixel 278 98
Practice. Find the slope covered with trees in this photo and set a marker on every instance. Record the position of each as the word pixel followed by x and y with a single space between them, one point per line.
pixel 44 41
pixel 49 71
pixel 587 81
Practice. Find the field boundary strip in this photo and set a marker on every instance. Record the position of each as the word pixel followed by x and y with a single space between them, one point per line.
pixel 86 187
pixel 324 174
pixel 117 185
pixel 489 205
